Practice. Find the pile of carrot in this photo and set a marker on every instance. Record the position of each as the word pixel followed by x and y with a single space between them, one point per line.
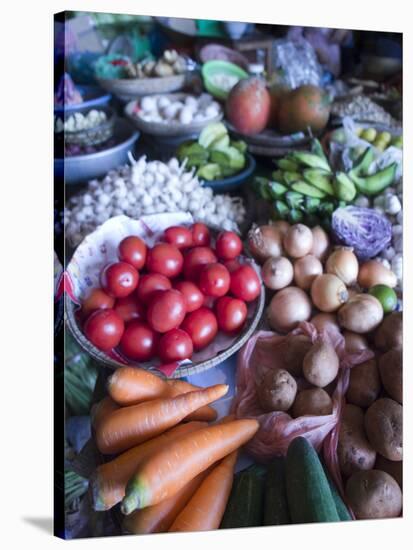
pixel 172 469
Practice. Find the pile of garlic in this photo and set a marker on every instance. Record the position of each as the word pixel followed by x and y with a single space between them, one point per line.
pixel 390 203
pixel 161 108
pixel 79 121
pixel 144 188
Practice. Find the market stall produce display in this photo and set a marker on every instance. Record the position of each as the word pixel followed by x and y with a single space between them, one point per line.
pixel 239 318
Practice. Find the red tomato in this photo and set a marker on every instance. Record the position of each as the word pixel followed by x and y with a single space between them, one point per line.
pixel 202 327
pixel 245 283
pixel 119 279
pixel 139 341
pixel 132 250
pixel 175 345
pixel 129 308
pixel 149 284
pixel 104 328
pixel 231 314
pixel 192 295
pixel 181 237
pixel 166 259
pixel 214 280
pixel 200 234
pixel 195 259
pixel 96 299
pixel 231 265
pixel 166 310
pixel 228 245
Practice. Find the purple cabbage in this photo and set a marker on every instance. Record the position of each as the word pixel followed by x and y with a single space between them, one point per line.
pixel 367 231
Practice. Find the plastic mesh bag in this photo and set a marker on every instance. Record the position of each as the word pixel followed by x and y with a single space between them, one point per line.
pixel 297 62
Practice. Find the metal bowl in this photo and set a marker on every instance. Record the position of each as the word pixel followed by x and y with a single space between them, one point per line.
pixel 93 97
pixel 127 89
pixel 185 369
pixel 81 168
pixel 167 128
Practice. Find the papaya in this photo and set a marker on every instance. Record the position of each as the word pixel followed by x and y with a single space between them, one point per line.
pixel 303 108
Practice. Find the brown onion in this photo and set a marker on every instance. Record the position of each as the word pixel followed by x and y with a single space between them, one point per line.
pixel 321 243
pixel 306 270
pixel 298 241
pixel 277 273
pixel 287 308
pixel 265 242
pixel 282 225
pixel 326 322
pixel 373 273
pixel 328 292
pixel 354 342
pixel 343 263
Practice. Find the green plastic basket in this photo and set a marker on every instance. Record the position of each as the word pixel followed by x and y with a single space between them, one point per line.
pixel 211 68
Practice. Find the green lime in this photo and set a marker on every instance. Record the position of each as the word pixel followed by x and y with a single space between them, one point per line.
pixel 386 296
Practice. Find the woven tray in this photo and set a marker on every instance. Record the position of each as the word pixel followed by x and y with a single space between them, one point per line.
pixel 129 88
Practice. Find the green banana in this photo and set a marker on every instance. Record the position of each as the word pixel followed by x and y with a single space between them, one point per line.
pixel 317 149
pixel 311 160
pixel 319 179
pixel 281 210
pixel 344 188
pixel 306 189
pixel 311 204
pixel 291 177
pixel 362 163
pixel 294 199
pixel 287 165
pixel 277 175
pixel 376 183
pixel 276 190
pixel 295 216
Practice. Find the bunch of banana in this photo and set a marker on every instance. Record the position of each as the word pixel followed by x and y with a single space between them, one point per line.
pixel 304 186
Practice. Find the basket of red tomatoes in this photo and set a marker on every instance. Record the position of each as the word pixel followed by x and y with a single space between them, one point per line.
pixel 163 293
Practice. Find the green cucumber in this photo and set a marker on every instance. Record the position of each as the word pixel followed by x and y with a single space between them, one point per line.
pixel 344 188
pixel 306 189
pixel 277 190
pixel 245 504
pixel 311 160
pixel 320 179
pixel 287 165
pixel 376 183
pixel 308 492
pixel 275 499
pixel 341 508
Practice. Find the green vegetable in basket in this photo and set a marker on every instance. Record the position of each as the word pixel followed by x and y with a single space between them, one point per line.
pixel 210 133
pixel 209 172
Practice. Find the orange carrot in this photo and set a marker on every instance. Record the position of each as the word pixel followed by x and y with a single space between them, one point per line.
pixel 206 507
pixel 133 385
pixel 101 410
pixel 129 426
pixel 107 485
pixel 159 518
pixel 165 472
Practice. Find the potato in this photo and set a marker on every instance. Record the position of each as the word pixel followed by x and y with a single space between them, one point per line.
pixel 374 495
pixel 314 401
pixel 277 390
pixel 292 352
pixel 391 467
pixel 354 452
pixel 364 386
pixel 354 342
pixel 390 367
pixel 389 334
pixel 383 423
pixel 320 365
pixel 361 314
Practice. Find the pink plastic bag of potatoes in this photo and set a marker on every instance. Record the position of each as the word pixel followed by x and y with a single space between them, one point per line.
pixel 278 429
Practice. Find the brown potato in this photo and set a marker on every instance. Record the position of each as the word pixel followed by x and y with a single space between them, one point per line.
pixel 390 367
pixel 374 495
pixel 394 468
pixel 354 342
pixel 320 365
pixel 277 390
pixel 314 401
pixel 354 452
pixel 364 386
pixel 292 352
pixel 389 334
pixel 383 423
